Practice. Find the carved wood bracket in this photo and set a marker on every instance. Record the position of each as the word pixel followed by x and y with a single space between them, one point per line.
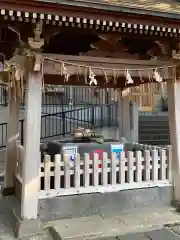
pixel 37 42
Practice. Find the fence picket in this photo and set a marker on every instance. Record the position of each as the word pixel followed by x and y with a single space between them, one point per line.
pixel 143 167
pixel 155 158
pixel 147 159
pixel 95 169
pixel 169 162
pixel 66 171
pixel 162 169
pixel 47 172
pixel 113 168
pixel 122 167
pixel 57 172
pixel 130 161
pixel 104 169
pixel 77 171
pixel 138 166
pixel 86 170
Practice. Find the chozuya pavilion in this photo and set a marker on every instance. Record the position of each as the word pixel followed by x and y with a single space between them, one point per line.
pixel 72 44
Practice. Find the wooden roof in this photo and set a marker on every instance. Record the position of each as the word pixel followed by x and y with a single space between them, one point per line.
pixel 167 8
pixel 116 15
pixel 159 8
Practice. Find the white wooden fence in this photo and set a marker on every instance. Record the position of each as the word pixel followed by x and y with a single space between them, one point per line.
pixel 59 176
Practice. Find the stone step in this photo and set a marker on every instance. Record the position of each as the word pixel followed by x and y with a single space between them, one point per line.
pixel 153 122
pixel 155 143
pixel 158 234
pixel 98 227
pixel 156 126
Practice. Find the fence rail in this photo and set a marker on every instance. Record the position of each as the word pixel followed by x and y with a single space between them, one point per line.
pixel 62 123
pixel 59 176
pixel 64 95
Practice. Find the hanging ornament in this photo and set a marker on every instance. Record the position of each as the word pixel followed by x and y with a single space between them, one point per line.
pixel 85 75
pixel 105 75
pixel 65 73
pixel 62 68
pixel 114 77
pixel 125 92
pixel 128 78
pixel 92 78
pixel 17 75
pixel 157 76
pixel 79 73
pixel 150 76
pixel 140 76
pixel 166 72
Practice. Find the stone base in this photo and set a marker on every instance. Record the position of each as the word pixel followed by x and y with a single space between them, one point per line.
pixel 23 227
pixel 27 227
pixel 111 203
pixel 177 205
pixel 8 191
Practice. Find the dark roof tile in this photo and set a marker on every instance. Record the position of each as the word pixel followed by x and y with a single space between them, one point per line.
pixel 167 6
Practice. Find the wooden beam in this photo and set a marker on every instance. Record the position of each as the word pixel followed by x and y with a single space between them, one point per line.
pixel 95 60
pixel 53 75
pixel 52 67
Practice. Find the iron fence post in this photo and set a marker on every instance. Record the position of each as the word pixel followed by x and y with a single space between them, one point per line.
pixel 5 98
pixel 92 116
pixel 63 123
pixel 102 115
pixel 110 123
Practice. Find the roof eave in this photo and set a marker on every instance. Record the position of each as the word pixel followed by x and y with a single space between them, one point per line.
pixel 112 7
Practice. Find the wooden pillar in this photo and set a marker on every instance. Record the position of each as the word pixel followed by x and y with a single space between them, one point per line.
pixel 124 117
pixel 128 118
pixel 134 121
pixel 120 114
pixel 173 90
pixel 31 163
pixel 12 136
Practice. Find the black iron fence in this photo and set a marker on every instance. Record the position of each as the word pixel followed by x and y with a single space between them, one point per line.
pixel 3 132
pixel 3 95
pixel 66 107
pixel 64 122
pixel 68 95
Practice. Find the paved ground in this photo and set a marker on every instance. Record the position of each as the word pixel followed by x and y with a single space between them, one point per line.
pixel 170 233
pixel 6 225
pixel 136 226
pixel 151 224
pixel 160 234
